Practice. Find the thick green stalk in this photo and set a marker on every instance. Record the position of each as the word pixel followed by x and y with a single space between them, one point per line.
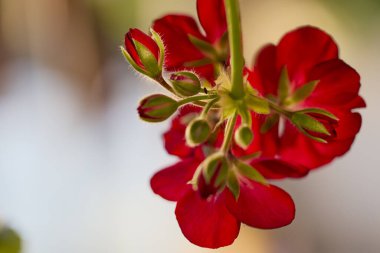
pixel 236 47
pixel 228 133
pixel 208 106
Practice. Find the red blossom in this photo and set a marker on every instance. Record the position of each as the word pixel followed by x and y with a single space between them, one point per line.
pixel 309 54
pixel 294 112
pixel 213 221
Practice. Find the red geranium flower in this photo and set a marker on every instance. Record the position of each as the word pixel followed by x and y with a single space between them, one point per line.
pixel 311 59
pixel 187 47
pixel 215 221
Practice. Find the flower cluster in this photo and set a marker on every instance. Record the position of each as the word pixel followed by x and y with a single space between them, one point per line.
pixel 238 127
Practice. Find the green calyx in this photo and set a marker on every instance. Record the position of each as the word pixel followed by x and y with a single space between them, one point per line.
pixel 286 96
pixel 214 53
pixel 239 171
pixel 214 170
pixel 215 167
pixel 250 102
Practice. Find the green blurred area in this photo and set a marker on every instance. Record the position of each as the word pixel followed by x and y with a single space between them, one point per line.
pixel 10 242
pixel 114 17
pixel 354 14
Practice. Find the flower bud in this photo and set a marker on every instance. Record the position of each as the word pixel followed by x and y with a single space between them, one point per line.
pixel 185 83
pixel 214 174
pixel 157 108
pixel 317 124
pixel 243 136
pixel 197 132
pixel 143 53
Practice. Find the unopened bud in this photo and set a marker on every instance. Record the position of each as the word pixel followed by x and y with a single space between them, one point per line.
pixel 244 136
pixel 214 174
pixel 157 108
pixel 185 83
pixel 143 53
pixel 197 132
pixel 317 124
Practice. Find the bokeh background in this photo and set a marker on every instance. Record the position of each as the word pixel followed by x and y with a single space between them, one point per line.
pixel 75 160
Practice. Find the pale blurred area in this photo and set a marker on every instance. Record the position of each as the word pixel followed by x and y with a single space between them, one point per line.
pixel 75 160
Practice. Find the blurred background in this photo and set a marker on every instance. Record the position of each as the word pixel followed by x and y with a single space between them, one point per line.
pixel 75 160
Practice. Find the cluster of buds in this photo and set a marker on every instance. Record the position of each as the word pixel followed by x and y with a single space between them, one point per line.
pixel 275 120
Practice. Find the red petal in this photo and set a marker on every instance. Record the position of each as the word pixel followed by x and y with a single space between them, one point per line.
pixel 265 73
pixel 206 223
pixel 349 125
pixel 278 169
pixel 266 144
pixel 174 30
pixel 263 206
pixel 174 138
pixel 171 183
pixel 212 16
pixel 175 143
pixel 302 49
pixel 131 49
pixel 146 40
pixel 296 147
pixel 338 85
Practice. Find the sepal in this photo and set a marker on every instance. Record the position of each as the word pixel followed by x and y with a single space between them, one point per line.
pixel 283 85
pixel 301 93
pixel 269 123
pixel 248 171
pixel 233 184
pixel 258 105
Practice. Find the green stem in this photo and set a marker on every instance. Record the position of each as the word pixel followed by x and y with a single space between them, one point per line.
pixel 236 47
pixel 164 84
pixel 280 110
pixel 195 99
pixel 208 106
pixel 229 133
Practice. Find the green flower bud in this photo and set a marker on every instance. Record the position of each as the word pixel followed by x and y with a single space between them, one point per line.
pixel 197 132
pixel 157 108
pixel 185 83
pixel 244 136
